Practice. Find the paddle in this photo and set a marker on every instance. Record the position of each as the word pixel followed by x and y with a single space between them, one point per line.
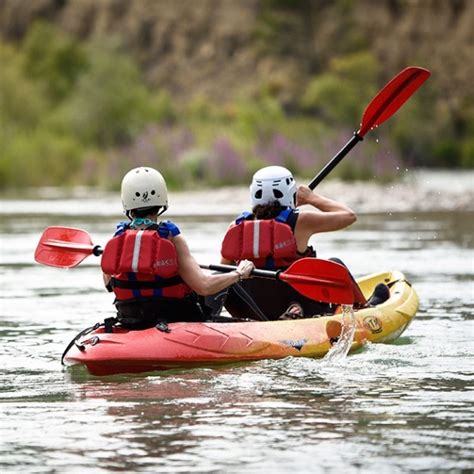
pixel 65 247
pixel 321 280
pixel 389 99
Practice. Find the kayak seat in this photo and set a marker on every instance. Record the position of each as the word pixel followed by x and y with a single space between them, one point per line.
pixel 380 295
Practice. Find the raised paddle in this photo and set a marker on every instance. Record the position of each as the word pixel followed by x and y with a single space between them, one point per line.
pixel 321 280
pixel 389 99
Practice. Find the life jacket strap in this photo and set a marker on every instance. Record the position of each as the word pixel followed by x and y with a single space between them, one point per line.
pixel 145 285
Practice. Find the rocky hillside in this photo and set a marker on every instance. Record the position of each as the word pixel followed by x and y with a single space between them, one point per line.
pixel 211 90
pixel 220 48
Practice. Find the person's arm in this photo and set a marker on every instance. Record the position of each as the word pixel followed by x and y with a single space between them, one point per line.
pixel 203 283
pixel 328 215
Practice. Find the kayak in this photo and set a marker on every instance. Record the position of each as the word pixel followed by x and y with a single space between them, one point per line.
pixel 207 344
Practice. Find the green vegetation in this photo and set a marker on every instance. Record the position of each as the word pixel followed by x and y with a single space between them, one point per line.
pixel 76 112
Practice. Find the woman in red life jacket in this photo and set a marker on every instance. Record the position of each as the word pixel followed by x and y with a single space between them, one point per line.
pixel 276 234
pixel 148 265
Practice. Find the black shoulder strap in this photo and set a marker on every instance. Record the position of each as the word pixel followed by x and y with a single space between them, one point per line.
pixel 292 219
pixel 248 300
pixel 145 285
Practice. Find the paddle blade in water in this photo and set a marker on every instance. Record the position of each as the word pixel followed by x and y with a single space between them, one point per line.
pixel 63 247
pixel 321 280
pixel 392 97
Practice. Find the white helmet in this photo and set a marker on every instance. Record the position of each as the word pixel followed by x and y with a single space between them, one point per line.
pixel 143 188
pixel 273 183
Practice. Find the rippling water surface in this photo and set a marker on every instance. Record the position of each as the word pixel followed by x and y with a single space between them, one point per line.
pixel 404 407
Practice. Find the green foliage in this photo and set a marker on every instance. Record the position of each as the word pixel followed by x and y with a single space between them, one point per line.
pixel 64 103
pixel 465 123
pixel 75 112
pixel 428 132
pixel 161 107
pixel 200 108
pixel 341 94
pixel 467 153
pixel 21 102
pixel 260 117
pixel 110 103
pixel 39 159
pixel 53 60
pixel 447 152
pixel 193 165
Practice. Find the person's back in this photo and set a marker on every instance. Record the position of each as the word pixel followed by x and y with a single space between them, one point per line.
pixel 147 264
pixel 274 197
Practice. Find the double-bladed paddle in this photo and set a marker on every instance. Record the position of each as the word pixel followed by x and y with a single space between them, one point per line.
pixel 389 99
pixel 321 280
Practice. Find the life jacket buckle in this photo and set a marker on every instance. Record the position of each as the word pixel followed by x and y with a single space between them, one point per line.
pixel 109 324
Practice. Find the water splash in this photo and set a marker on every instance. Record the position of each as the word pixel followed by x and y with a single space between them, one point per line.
pixel 340 350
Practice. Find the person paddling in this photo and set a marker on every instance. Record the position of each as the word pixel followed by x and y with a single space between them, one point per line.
pixel 148 265
pixel 274 235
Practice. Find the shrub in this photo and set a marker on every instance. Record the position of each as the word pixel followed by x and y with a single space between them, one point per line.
pixel 39 158
pixel 22 103
pixel 53 59
pixel 467 153
pixel 341 94
pixel 193 166
pixel 110 103
pixel 258 118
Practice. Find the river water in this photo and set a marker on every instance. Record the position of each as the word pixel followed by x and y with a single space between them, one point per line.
pixel 403 407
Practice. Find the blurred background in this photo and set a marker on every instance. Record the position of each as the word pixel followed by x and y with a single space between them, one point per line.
pixel 208 91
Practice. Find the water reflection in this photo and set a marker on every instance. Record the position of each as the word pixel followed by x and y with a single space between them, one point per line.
pixel 210 418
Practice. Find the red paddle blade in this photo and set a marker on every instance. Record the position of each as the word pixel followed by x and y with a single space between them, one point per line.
pixel 63 247
pixel 392 97
pixel 320 280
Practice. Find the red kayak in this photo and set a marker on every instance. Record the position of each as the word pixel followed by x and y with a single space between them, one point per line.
pixel 188 345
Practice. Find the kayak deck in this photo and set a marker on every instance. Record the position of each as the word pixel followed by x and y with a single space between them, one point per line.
pixel 205 344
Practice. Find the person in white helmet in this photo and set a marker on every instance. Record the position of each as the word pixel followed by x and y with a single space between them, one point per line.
pixel 274 235
pixel 148 265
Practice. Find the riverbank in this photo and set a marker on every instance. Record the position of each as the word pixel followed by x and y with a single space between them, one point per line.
pixel 419 191
pixel 422 191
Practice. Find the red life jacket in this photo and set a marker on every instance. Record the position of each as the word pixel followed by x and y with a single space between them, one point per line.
pixel 143 264
pixel 267 243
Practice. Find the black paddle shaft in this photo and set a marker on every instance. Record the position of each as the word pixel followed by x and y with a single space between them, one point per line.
pixel 97 251
pixel 356 138
pixel 256 272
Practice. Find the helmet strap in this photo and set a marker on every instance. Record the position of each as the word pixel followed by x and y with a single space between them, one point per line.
pixel 162 210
